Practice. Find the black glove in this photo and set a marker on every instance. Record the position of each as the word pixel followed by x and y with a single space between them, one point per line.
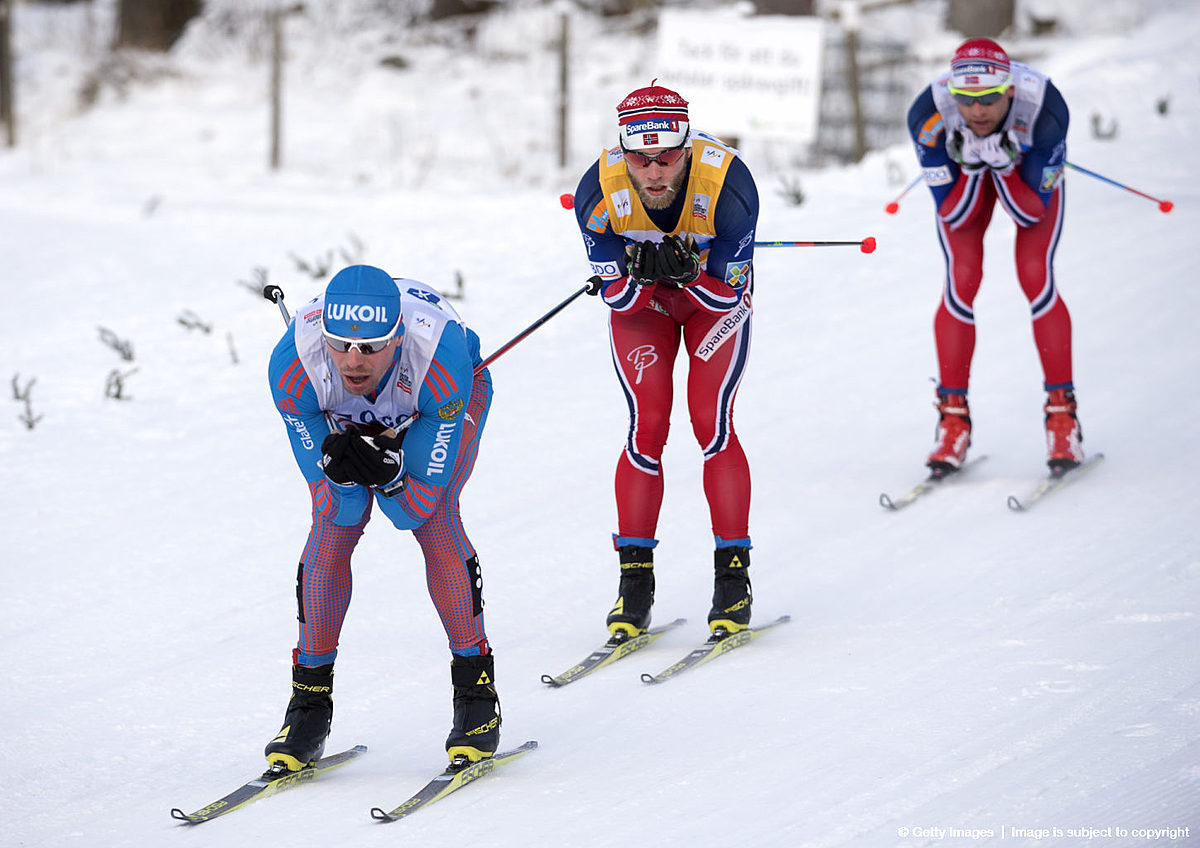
pixel 642 259
pixel 350 459
pixel 677 261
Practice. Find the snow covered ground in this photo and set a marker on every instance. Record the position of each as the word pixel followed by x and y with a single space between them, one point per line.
pixel 955 666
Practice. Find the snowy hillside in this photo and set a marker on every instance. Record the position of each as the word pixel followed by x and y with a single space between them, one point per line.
pixel 955 665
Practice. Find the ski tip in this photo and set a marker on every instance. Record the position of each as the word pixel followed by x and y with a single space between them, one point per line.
pixel 551 681
pixel 886 502
pixel 1014 504
pixel 380 815
pixel 180 815
pixel 649 678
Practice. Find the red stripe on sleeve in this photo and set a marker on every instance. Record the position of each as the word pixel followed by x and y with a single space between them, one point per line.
pixel 294 379
pixel 440 382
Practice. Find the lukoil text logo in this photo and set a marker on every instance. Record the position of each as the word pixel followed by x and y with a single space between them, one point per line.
pixel 356 312
pixel 441 449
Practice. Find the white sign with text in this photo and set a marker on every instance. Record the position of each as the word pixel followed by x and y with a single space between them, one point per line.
pixel 744 76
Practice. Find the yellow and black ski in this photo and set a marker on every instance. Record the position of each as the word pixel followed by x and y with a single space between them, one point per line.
pixel 619 645
pixel 458 774
pixel 273 780
pixel 720 642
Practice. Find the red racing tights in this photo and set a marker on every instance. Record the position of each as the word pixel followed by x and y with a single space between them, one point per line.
pixel 954 323
pixel 644 346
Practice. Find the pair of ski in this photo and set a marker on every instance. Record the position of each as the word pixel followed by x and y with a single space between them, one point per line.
pixel 458 774
pixel 1055 481
pixel 462 772
pixel 622 645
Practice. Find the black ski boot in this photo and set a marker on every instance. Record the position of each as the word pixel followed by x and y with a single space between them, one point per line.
pixel 630 615
pixel 307 720
pixel 476 731
pixel 731 590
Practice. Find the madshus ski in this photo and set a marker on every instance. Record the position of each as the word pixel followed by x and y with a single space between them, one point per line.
pixel 720 642
pixel 931 483
pixel 1057 479
pixel 273 780
pixel 618 646
pixel 457 775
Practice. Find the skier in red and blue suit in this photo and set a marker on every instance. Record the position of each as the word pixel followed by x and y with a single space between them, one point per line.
pixel 990 130
pixel 357 364
pixel 668 219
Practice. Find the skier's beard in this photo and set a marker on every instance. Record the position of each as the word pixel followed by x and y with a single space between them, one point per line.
pixel 661 201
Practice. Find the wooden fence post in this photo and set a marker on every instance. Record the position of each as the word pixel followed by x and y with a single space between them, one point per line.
pixel 8 112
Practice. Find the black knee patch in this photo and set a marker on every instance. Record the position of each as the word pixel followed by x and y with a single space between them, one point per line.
pixel 475 575
pixel 300 594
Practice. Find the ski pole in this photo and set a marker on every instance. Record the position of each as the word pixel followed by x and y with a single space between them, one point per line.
pixel 893 207
pixel 592 287
pixel 867 245
pixel 1164 206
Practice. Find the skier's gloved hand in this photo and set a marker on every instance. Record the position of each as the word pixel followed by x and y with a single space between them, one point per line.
pixel 350 459
pixel 642 262
pixel 963 148
pixel 678 260
pixel 999 151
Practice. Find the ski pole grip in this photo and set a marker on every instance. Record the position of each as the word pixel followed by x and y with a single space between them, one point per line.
pixel 273 293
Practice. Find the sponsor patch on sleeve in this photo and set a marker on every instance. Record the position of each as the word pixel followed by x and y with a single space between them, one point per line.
pixel 930 130
pixel 737 274
pixel 937 176
pixel 606 270
pixel 598 220
pixel 1051 176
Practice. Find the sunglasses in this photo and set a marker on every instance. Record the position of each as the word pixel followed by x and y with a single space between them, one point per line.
pixel 364 346
pixel 987 97
pixel 665 158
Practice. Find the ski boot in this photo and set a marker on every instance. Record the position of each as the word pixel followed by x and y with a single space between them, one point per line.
pixel 306 723
pixel 476 731
pixel 953 435
pixel 731 590
pixel 1064 438
pixel 630 615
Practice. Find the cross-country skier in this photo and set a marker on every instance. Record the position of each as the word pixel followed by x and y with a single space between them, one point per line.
pixel 668 218
pixel 992 129
pixel 365 357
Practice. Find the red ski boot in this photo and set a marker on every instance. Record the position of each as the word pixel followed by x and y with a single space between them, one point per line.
pixel 953 434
